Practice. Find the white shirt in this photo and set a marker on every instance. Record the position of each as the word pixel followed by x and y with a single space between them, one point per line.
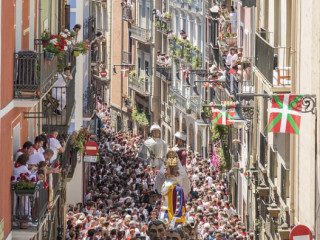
pixel 54 145
pixel 228 59
pixel 36 158
pixel 233 58
pixel 61 82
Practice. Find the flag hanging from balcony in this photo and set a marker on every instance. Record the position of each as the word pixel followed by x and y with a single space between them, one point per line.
pixel 125 72
pixel 221 114
pixel 285 113
pixel 186 73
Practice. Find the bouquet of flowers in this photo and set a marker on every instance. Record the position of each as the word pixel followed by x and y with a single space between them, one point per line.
pixel 83 136
pixel 23 181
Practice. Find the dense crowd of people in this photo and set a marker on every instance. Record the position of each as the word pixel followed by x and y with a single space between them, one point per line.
pixel 121 201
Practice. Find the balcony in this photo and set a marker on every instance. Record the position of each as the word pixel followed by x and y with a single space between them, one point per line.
pixel 186 53
pixel 273 63
pixel 34 75
pixel 89 102
pixel 126 57
pixel 29 208
pixel 126 13
pixel 89 29
pixel 164 73
pixel 141 34
pixel 140 85
pixel 64 96
pixel 163 25
pixel 194 6
pixel 178 100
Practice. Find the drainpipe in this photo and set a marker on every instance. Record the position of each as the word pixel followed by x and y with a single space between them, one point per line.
pixel 109 13
pixel 293 138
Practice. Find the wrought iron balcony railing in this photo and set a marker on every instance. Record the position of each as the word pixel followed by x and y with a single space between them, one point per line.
pixel 29 207
pixel 89 29
pixel 163 25
pixel 34 74
pixel 141 34
pixel 163 72
pixel 140 85
pixel 273 63
pixel 59 107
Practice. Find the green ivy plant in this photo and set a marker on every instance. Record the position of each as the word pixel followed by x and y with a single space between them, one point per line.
pixel 140 118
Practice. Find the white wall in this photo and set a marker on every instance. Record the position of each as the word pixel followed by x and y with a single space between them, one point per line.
pixel 74 187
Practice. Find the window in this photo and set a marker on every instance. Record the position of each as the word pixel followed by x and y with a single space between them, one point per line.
pixel 184 25
pixel 191 36
pixel 139 66
pixel 284 182
pixel 146 65
pixel 199 36
pixel 273 165
pixel 16 138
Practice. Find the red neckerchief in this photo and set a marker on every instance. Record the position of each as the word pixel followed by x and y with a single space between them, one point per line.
pixel 22 150
pixel 51 136
pixel 16 165
pixel 35 147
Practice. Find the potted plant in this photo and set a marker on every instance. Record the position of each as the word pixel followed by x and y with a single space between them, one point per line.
pixel 167 16
pixel 82 137
pixel 22 185
pixel 158 24
pixel 45 36
pixel 140 79
pixel 81 48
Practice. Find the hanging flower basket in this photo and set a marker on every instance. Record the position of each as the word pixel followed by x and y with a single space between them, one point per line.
pixel 49 55
pixel 25 191
pixel 230 41
pixel 76 53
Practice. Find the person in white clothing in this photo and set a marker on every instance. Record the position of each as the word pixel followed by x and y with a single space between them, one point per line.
pixel 55 145
pixel 59 89
pixel 233 20
pixel 38 143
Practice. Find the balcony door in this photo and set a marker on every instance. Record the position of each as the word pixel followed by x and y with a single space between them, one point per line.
pixel 18 24
pixel 147 18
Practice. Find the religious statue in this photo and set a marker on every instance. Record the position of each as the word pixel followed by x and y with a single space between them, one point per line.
pixel 173 183
pixel 154 149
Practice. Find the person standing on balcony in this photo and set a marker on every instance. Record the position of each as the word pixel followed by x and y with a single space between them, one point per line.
pixel 55 145
pixel 37 146
pixel 233 20
pixel 59 90
pixel 76 30
pixel 26 149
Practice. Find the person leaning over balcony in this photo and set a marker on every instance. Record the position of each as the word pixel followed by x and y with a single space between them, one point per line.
pixel 76 30
pixel 55 145
pixel 26 149
pixel 20 166
pixel 59 89
pixel 38 157
pixel 37 146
